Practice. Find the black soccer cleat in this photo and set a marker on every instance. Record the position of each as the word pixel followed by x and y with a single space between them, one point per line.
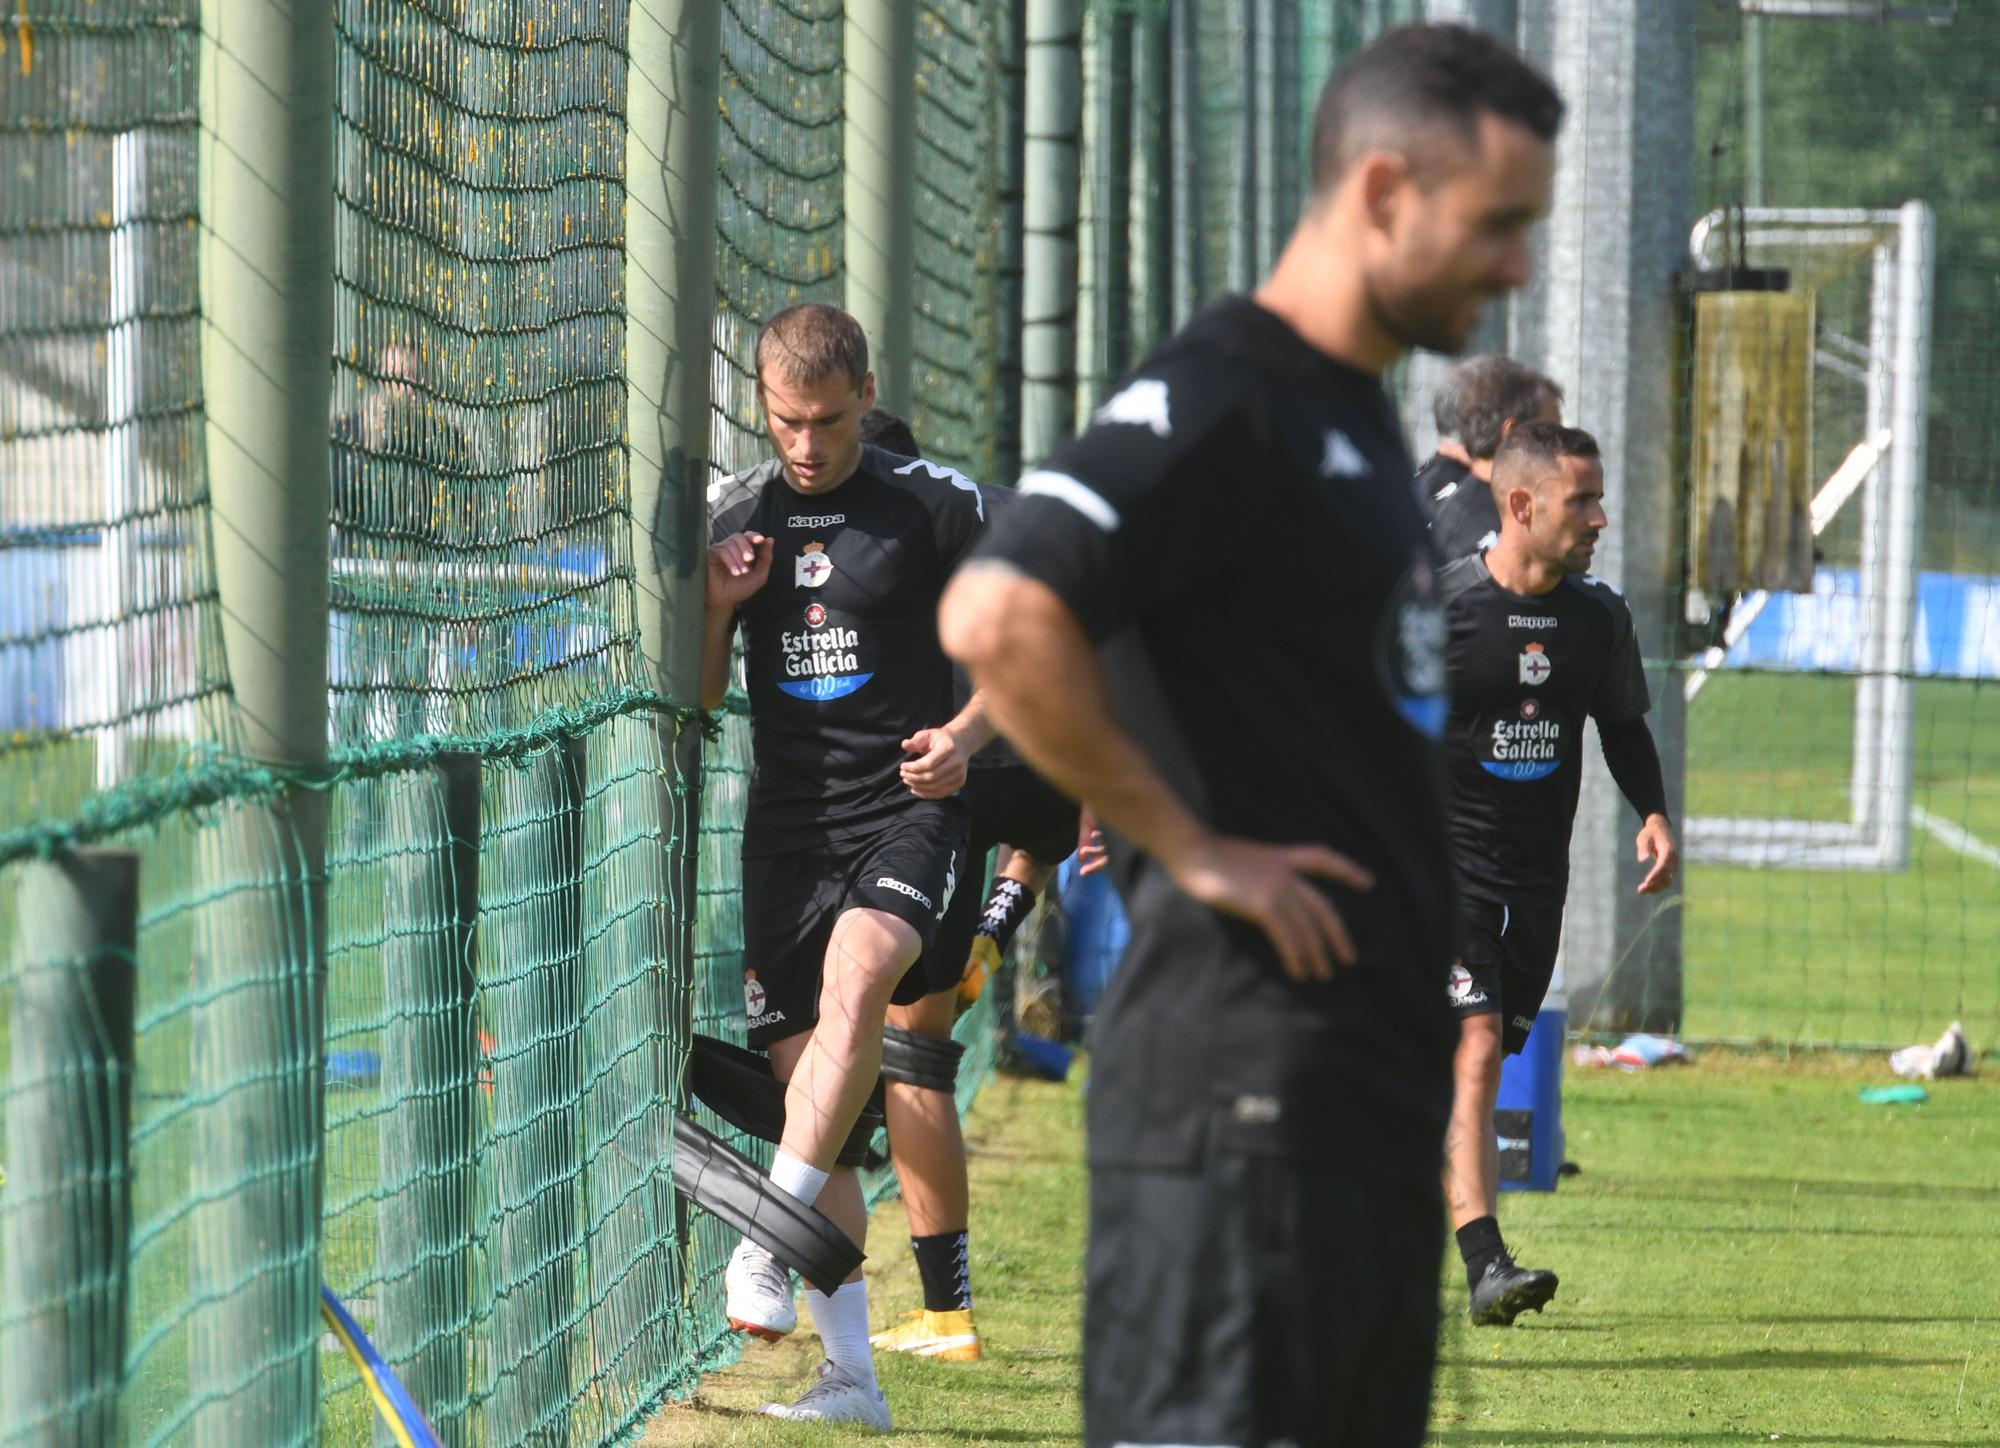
pixel 1505 1291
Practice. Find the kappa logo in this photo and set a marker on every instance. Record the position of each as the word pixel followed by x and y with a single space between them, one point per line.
pixel 950 884
pixel 1138 404
pixel 1535 665
pixel 1523 1023
pixel 1341 458
pixel 1486 541
pixel 1532 620
pixel 812 567
pixel 890 882
pixel 816 520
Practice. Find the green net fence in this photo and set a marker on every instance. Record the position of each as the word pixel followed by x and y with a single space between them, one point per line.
pixel 1882 933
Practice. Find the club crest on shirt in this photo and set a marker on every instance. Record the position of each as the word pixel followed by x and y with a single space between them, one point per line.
pixel 1535 665
pixel 812 567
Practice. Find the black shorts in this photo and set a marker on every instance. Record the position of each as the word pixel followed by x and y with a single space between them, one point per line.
pixel 1260 1299
pixel 911 868
pixel 1510 955
pixel 1010 805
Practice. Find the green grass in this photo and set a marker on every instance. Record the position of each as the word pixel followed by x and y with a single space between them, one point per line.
pixel 1856 958
pixel 1748 1252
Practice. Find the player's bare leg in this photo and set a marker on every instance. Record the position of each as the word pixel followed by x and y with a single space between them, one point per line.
pixel 929 1151
pixel 1499 1290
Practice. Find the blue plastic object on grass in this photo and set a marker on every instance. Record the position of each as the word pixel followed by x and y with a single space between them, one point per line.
pixel 1894 1095
pixel 1528 1115
pixel 1042 1057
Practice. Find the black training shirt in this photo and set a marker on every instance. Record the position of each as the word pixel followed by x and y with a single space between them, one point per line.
pixel 1437 479
pixel 998 754
pixel 1524 673
pixel 840 646
pixel 1238 528
pixel 1464 517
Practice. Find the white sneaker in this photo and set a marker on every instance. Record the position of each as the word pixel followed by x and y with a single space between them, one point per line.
pixel 759 1293
pixel 835 1398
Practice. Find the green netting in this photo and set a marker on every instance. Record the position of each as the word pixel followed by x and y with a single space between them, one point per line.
pixel 957 233
pixel 108 647
pixel 1835 115
pixel 779 211
pixel 479 492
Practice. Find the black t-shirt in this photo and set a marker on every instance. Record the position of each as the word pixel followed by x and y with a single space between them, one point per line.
pixel 840 646
pixel 1438 479
pixel 1524 673
pixel 1464 517
pixel 1237 528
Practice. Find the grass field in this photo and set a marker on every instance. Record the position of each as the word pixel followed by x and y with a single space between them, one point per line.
pixel 1813 957
pixel 1750 1255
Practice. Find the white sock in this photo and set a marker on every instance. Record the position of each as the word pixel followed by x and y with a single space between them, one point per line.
pixel 842 1321
pixel 794 1176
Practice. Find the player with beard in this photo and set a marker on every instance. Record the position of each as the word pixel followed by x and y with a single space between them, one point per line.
pixel 832 557
pixel 1491 396
pixel 1229 575
pixel 1536 645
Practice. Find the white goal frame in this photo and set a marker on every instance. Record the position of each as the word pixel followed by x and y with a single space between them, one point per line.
pixel 1887 469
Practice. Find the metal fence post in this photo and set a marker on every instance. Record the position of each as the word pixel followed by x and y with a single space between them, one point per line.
pixel 880 193
pixel 266 258
pixel 67 1211
pixel 430 1069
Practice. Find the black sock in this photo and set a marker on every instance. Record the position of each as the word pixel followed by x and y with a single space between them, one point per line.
pixel 1480 1245
pixel 943 1263
pixel 1006 908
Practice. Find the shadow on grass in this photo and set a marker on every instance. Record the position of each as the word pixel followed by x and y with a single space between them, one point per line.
pixel 1510 1437
pixel 1809 1359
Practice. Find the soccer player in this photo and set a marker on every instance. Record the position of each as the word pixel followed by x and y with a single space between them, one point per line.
pixel 1536 644
pixel 1451 464
pixel 1228 575
pixel 1493 395
pixel 832 556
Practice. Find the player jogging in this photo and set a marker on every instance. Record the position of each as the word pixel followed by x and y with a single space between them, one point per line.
pixel 1536 644
pixel 1491 396
pixel 832 557
pixel 1237 533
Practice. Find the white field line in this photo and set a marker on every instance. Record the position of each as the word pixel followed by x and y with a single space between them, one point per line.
pixel 1953 838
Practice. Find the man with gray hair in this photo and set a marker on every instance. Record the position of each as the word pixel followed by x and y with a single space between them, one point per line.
pixel 1486 398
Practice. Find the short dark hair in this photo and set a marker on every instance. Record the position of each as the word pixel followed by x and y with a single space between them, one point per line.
pixel 809 341
pixel 1533 448
pixel 1418 76
pixel 889 432
pixel 1491 391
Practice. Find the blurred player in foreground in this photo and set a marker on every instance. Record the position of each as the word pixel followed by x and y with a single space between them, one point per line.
pixel 1212 618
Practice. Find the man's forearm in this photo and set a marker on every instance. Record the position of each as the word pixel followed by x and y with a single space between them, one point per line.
pixel 1015 637
pixel 972 726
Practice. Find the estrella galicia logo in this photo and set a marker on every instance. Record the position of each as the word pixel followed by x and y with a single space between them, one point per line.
pixel 1524 749
pixel 821 663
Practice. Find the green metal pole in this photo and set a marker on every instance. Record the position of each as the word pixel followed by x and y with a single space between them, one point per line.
pixel 1114 210
pixel 68 1203
pixel 880 191
pixel 1012 82
pixel 671 135
pixel 1190 272
pixel 1054 110
pixel 533 1004
pixel 266 258
pixel 1152 180
pixel 430 1068
pixel 1264 141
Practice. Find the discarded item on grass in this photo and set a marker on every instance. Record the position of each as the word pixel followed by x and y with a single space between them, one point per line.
pixel 1039 1056
pixel 1894 1095
pixel 1634 1053
pixel 1950 1056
